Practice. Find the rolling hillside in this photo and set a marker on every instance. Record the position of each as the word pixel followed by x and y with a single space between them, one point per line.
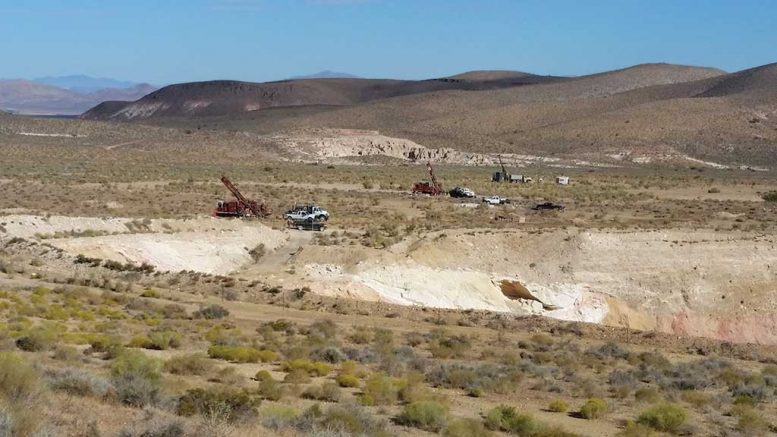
pixel 645 113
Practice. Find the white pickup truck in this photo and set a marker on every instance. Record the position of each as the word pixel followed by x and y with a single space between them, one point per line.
pixel 306 212
pixel 496 200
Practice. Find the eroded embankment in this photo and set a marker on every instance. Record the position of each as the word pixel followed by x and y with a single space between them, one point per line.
pixel 690 283
pixel 716 284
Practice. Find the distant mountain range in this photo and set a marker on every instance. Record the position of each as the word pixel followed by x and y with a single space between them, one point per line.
pixel 84 84
pixel 326 74
pixel 65 95
pixel 646 112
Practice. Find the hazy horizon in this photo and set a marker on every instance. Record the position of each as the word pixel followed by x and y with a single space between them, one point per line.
pixel 263 40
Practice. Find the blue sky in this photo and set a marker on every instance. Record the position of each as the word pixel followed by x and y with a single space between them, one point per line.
pixel 165 41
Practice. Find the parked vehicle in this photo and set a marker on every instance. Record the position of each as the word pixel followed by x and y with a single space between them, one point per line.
pixel 496 200
pixel 461 192
pixel 305 212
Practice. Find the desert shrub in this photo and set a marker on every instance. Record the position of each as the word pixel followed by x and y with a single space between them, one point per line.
pixel 297 376
pixel 163 340
pixel 314 368
pixel 66 353
pixel 558 406
pixel 228 376
pixel 450 346
pixel 593 408
pixel 156 428
pixel 241 354
pixel 426 415
pixel 211 312
pixel 150 292
pixel 350 419
pixel 609 350
pixel 475 379
pixel 323 328
pixel 328 354
pixel 665 417
pixel 270 389
pixel 380 389
pixel 79 383
pixel 262 375
pixel 750 421
pixel 466 428
pixel 174 311
pixel 346 380
pixel 136 378
pixel 360 336
pixel 554 432
pixel 230 404
pixel 647 395
pixel 37 339
pixel 771 196
pixel 257 252
pixel 634 429
pixel 508 419
pixel 191 364
pixel 277 416
pixel 696 398
pixel 19 382
pixel 140 341
pixel 756 392
pixel 328 392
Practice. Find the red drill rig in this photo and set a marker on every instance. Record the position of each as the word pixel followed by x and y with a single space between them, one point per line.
pixel 431 187
pixel 241 207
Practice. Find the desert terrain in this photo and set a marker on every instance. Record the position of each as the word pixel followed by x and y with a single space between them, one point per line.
pixel 645 306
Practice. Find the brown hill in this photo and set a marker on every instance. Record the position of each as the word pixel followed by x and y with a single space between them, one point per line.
pixel 233 97
pixel 756 85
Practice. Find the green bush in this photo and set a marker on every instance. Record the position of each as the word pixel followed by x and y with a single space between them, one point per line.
pixel 327 392
pixel 380 389
pixel 634 429
pixel 750 421
pixel 347 380
pixel 18 380
pixel 558 406
pixel 163 340
pixel 136 378
pixel 241 354
pixel 231 404
pixel 426 415
pixel 350 420
pixel 508 419
pixel 314 368
pixel 593 408
pixel 192 364
pixel 277 416
pixel 665 417
pixel 270 389
pixel 466 428
pixel 37 339
pixel 262 375
pixel 20 393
